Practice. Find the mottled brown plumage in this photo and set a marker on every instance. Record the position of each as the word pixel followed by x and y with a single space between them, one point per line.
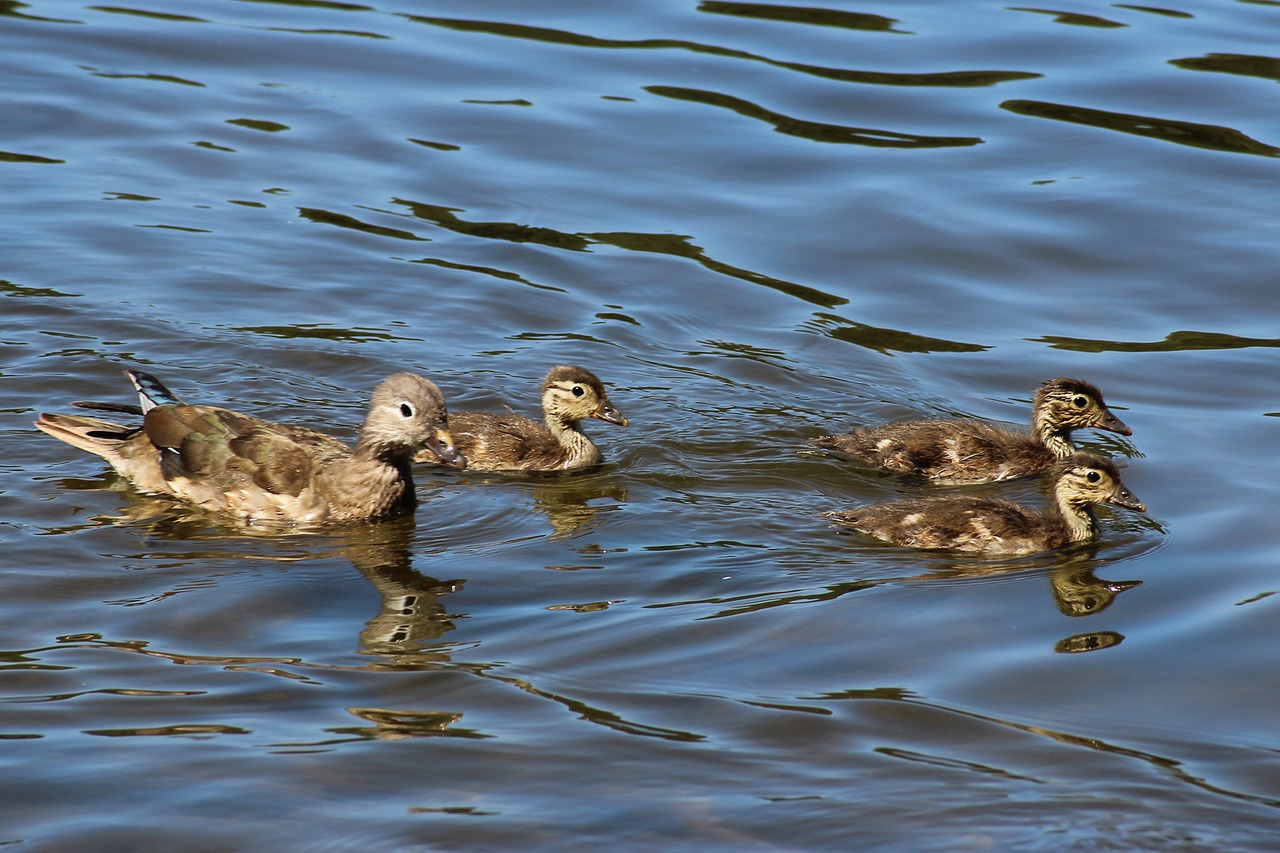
pixel 261 471
pixel 511 442
pixel 958 451
pixel 995 526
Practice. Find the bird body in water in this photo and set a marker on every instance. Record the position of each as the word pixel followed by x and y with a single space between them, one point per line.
pixel 957 451
pixel 261 471
pixel 510 442
pixel 995 526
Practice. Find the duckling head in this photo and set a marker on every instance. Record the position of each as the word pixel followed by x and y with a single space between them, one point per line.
pixel 1064 405
pixel 572 394
pixel 1086 479
pixel 406 414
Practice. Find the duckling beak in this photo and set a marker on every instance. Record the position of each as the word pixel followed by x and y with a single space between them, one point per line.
pixel 1127 499
pixel 441 444
pixel 1113 424
pixel 610 415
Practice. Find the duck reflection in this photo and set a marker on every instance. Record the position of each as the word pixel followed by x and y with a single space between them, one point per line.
pixel 411 617
pixel 391 724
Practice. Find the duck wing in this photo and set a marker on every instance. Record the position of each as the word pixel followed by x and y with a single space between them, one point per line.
pixel 218 457
pixel 990 525
pixel 945 451
pixel 504 442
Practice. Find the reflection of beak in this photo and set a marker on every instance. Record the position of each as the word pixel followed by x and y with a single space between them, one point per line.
pixel 1127 499
pixel 610 414
pixel 1112 423
pixel 441 444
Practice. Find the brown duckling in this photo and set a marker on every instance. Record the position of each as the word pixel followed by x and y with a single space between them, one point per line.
pixel 957 451
pixel 995 526
pixel 261 471
pixel 511 442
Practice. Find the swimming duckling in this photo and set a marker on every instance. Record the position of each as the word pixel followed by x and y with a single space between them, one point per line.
pixel 261 471
pixel 999 527
pixel 511 442
pixel 957 451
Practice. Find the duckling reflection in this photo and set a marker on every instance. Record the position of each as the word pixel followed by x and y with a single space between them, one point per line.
pixel 391 724
pixel 1088 642
pixel 568 502
pixel 1078 592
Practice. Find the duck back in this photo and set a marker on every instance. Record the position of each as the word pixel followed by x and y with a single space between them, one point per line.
pixel 948 452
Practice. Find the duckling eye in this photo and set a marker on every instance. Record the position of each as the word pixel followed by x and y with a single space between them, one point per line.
pixel 578 391
pixel 1093 476
pixel 1079 401
pixel 406 410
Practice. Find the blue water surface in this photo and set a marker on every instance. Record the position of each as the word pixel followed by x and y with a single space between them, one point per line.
pixel 757 222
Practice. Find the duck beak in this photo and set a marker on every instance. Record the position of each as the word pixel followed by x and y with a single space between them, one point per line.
pixel 1111 423
pixel 441 444
pixel 1127 499
pixel 610 415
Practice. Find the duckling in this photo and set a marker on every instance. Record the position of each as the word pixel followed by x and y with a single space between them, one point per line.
pixel 995 526
pixel 959 451
pixel 511 442
pixel 256 470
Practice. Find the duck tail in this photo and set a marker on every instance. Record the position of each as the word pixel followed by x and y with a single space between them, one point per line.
pixel 99 437
pixel 151 393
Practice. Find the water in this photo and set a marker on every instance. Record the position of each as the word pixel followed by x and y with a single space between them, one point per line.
pixel 756 223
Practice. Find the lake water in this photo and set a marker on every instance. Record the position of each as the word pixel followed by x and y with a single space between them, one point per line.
pixel 757 223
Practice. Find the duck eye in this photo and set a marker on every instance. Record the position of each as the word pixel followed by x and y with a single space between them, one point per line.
pixel 1079 401
pixel 578 391
pixel 1093 476
pixel 406 410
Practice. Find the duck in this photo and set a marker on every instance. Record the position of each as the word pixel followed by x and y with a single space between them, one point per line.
pixel 258 471
pixel 959 451
pixel 995 526
pixel 510 442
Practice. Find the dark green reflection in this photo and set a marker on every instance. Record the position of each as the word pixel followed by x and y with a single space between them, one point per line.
pixel 8 288
pixel 544 34
pixel 1153 10
pixel 1173 342
pixel 327 333
pixel 10 157
pixel 801 15
pixel 447 218
pixel 9 9
pixel 816 131
pixel 259 124
pixel 327 217
pixel 1266 67
pixel 160 78
pixel 315 4
pixel 1189 133
pixel 662 244
pixel 142 13
pixel 883 341
pixel 504 275
pixel 1074 19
